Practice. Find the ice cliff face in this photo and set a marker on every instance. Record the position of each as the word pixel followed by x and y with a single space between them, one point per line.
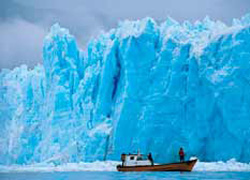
pixel 141 86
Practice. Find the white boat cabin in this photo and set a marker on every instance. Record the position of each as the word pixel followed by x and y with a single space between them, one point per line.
pixel 135 160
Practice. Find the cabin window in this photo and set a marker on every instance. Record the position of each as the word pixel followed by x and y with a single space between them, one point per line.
pixel 139 158
pixel 132 158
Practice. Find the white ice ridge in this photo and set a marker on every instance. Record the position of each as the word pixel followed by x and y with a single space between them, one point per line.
pixel 230 165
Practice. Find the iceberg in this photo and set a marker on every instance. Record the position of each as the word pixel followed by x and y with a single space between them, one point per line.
pixel 144 85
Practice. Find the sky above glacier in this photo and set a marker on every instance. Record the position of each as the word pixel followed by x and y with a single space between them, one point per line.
pixel 23 24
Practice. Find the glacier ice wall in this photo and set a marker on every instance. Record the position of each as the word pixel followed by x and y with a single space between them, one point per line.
pixel 148 86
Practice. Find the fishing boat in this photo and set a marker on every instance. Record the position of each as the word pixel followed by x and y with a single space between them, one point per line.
pixel 136 162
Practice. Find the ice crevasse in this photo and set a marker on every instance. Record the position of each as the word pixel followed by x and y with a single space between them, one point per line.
pixel 148 86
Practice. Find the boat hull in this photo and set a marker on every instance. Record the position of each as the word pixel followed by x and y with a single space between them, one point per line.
pixel 181 166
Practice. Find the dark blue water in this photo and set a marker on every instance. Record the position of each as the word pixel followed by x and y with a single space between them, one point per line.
pixel 124 176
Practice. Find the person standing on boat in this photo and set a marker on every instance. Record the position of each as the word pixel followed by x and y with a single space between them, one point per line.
pixel 181 154
pixel 150 158
pixel 123 157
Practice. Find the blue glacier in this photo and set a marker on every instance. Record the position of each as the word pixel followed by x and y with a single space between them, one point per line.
pixel 144 85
